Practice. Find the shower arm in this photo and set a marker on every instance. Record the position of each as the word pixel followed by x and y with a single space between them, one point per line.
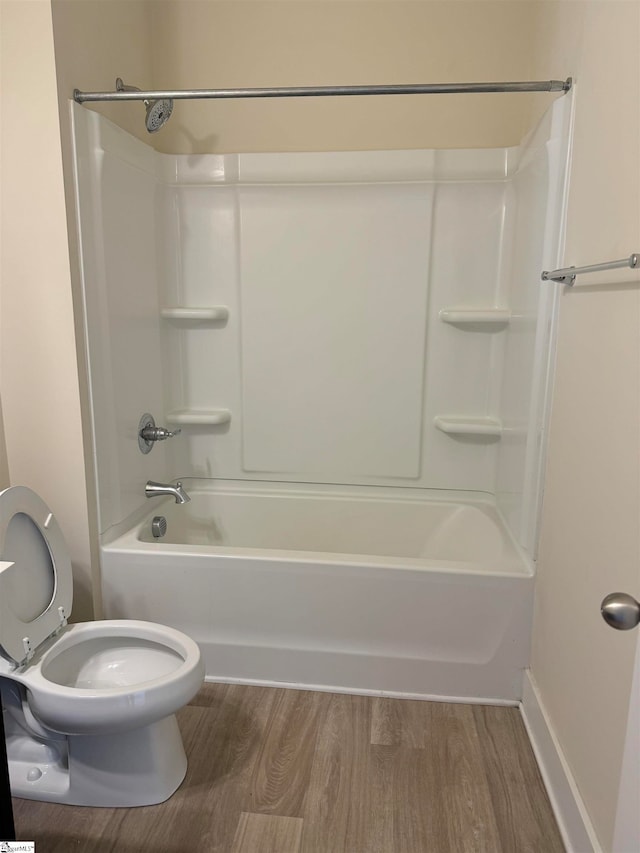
pixel 325 91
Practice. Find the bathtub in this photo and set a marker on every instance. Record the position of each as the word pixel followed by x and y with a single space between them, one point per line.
pixel 399 591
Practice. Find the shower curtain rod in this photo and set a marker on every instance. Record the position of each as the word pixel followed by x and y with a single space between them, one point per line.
pixel 321 91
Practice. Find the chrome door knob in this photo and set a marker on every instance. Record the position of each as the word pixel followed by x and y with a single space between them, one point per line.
pixel 620 611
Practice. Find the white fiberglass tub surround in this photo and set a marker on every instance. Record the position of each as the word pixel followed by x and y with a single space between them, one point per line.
pixel 399 592
pixel 344 338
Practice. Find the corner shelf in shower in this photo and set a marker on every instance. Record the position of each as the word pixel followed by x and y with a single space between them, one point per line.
pixel 475 316
pixel 468 426
pixel 204 315
pixel 199 417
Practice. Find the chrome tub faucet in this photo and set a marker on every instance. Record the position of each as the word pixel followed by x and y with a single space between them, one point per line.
pixel 153 490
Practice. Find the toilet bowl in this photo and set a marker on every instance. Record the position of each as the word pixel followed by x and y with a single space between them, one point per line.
pixel 89 708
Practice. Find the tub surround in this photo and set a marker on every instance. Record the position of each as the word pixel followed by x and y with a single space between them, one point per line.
pixel 371 318
pixel 356 346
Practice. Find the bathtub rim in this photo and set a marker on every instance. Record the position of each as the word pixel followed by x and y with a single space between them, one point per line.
pixel 124 537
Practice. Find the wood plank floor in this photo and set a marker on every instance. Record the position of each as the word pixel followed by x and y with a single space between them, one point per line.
pixel 288 771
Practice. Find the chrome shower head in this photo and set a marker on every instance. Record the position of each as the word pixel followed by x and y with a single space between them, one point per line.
pixel 158 112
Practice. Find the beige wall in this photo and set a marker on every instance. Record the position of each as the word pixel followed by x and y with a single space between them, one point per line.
pixel 97 41
pixel 590 524
pixel 270 43
pixel 38 374
pixel 4 462
pixel 226 44
pixel 591 532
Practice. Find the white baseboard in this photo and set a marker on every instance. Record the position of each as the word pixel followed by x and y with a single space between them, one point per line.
pixel 575 827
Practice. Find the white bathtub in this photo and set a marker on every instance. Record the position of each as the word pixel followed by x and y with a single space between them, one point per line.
pixel 384 591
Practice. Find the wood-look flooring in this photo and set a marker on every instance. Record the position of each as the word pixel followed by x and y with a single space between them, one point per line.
pixel 288 771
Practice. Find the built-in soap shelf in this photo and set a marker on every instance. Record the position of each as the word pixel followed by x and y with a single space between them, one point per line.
pixel 475 316
pixel 454 425
pixel 199 417
pixel 203 315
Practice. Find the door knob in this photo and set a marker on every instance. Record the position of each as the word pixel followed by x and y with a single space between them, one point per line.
pixel 620 611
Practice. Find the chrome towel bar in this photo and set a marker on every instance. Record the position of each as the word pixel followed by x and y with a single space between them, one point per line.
pixel 568 274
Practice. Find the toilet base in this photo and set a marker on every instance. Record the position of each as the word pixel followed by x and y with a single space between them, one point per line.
pixel 136 768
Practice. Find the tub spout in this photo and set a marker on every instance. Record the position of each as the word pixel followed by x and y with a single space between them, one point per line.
pixel 153 490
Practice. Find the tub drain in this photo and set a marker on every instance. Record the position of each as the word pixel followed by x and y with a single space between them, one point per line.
pixel 159 526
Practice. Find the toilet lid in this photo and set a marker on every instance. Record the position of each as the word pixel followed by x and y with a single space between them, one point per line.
pixel 35 573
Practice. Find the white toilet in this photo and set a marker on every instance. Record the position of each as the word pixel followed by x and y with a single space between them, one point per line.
pixel 89 709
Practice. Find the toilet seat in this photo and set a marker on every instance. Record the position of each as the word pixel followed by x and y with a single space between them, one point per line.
pixel 21 633
pixel 63 706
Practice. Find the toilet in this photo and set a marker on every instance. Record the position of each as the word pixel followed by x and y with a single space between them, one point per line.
pixel 89 708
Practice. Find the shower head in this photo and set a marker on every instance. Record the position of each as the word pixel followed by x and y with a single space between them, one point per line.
pixel 158 112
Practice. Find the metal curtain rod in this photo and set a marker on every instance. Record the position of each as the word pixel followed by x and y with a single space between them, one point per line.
pixel 568 275
pixel 321 91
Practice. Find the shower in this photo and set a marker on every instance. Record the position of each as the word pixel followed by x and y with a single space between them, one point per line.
pixel 158 111
pixel 360 426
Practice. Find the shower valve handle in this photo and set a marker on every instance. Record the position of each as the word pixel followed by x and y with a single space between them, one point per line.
pixel 149 433
pixel 155 433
